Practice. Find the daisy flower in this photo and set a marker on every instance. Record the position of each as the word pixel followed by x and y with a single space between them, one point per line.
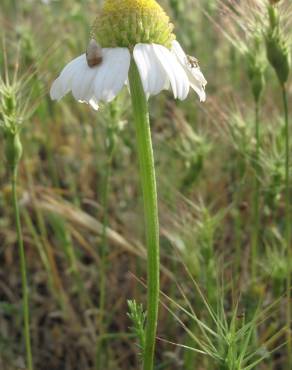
pixel 126 29
pixel 133 44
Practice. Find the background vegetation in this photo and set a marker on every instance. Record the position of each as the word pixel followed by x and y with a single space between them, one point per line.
pixel 81 210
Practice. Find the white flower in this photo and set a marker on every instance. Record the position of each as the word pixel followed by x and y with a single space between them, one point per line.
pixel 159 68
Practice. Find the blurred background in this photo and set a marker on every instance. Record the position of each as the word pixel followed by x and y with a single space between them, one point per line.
pixel 81 206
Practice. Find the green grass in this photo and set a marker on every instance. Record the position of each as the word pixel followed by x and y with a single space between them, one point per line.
pixel 224 263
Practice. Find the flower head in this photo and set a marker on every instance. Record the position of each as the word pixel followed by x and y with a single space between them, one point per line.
pixel 126 30
pixel 130 22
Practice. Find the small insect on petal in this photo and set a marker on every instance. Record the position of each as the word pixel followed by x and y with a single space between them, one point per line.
pixel 93 54
pixel 193 62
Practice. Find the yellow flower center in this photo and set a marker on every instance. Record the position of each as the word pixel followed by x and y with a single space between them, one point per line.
pixel 125 23
pixel 113 5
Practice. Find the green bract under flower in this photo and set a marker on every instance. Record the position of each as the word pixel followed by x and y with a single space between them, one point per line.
pixel 125 23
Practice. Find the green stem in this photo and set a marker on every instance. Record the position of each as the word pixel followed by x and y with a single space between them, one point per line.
pixel 256 200
pixel 288 222
pixel 25 292
pixel 147 175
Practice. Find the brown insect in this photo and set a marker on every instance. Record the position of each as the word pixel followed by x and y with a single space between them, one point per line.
pixel 93 54
pixel 193 62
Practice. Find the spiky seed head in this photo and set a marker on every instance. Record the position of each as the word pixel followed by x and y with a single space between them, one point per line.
pixel 274 17
pixel 278 56
pixel 278 52
pixel 255 70
pixel 8 101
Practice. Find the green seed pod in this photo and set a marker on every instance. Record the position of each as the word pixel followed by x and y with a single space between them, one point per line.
pixel 13 148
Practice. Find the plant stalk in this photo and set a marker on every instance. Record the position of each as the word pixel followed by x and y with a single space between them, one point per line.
pixel 256 200
pixel 148 181
pixel 25 292
pixel 288 222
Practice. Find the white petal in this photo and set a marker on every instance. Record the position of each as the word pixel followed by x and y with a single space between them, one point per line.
pixel 195 76
pixel 112 73
pixel 83 80
pixel 56 91
pixel 93 104
pixel 62 85
pixel 153 76
pixel 176 74
pixel 89 85
pixel 200 90
pixel 70 69
pixel 178 51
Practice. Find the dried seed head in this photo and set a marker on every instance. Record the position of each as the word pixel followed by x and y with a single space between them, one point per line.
pixel 93 54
